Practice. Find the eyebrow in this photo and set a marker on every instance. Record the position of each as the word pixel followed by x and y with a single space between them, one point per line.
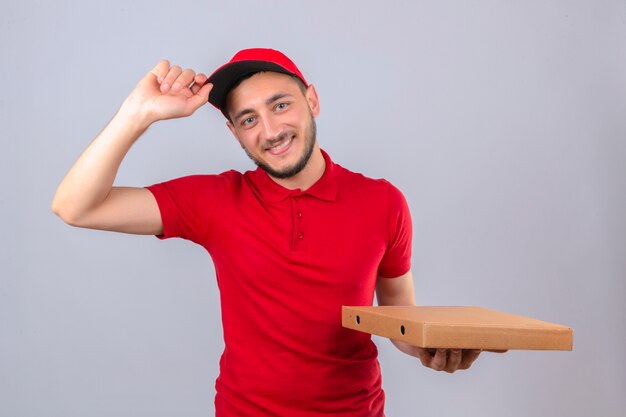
pixel 269 101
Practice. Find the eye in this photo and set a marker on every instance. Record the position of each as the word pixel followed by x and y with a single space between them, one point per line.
pixel 247 121
pixel 281 106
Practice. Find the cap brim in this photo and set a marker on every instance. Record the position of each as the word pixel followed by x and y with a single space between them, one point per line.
pixel 225 77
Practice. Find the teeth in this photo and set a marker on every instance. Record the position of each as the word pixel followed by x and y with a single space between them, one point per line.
pixel 281 145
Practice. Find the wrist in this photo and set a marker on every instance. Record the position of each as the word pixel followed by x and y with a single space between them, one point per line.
pixel 134 116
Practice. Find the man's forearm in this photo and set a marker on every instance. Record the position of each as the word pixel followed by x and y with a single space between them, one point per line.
pixel 90 179
pixel 397 291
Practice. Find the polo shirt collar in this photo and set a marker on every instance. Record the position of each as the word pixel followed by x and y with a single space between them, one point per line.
pixel 325 188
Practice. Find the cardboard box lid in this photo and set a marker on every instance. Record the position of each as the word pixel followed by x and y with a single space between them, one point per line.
pixel 466 327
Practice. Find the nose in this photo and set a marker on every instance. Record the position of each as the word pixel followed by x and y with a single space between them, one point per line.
pixel 269 128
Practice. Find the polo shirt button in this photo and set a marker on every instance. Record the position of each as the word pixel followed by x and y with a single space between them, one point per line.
pixel 299 214
pixel 300 235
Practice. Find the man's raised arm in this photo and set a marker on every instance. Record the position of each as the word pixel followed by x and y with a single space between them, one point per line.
pixel 86 196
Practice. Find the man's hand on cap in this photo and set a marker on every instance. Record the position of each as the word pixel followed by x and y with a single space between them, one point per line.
pixel 167 92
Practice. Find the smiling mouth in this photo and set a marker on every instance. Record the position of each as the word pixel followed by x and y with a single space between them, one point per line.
pixel 282 144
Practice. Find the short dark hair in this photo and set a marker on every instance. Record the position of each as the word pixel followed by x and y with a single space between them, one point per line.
pixel 301 86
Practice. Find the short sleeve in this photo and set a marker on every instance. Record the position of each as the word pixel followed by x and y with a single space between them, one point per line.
pixel 187 204
pixel 397 258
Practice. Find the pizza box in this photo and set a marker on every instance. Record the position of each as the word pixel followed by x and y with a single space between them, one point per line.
pixel 458 327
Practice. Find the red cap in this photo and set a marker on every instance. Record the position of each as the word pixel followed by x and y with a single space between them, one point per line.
pixel 246 62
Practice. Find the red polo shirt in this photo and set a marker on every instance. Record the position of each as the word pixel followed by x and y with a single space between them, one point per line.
pixel 286 261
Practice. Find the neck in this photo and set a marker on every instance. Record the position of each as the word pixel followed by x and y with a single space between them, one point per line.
pixel 311 173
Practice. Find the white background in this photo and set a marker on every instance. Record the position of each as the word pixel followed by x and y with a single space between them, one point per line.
pixel 503 122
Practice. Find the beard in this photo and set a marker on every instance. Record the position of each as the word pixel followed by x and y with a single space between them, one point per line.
pixel 310 135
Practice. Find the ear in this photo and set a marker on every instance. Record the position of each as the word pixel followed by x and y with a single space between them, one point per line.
pixel 234 132
pixel 313 100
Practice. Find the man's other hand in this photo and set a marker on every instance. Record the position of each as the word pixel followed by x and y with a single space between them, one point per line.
pixel 447 360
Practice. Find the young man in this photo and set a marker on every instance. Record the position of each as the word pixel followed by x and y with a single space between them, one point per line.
pixel 291 242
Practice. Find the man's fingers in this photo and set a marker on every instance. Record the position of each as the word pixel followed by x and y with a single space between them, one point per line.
pixel 438 362
pixel 184 80
pixel 170 78
pixel 160 70
pixel 173 78
pixel 423 355
pixel 469 356
pixel 198 82
pixel 454 360
pixel 449 360
pixel 200 78
pixel 202 96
